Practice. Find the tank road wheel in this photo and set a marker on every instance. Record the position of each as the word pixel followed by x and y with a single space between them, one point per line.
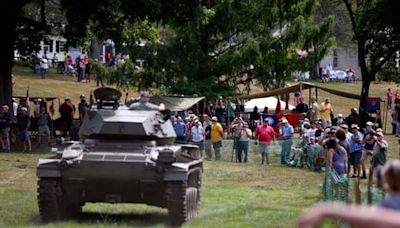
pixel 182 202
pixel 194 181
pixel 53 204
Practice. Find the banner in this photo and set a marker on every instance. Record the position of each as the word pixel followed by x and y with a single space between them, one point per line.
pixel 373 104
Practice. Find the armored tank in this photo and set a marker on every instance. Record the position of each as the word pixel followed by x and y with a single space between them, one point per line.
pixel 123 156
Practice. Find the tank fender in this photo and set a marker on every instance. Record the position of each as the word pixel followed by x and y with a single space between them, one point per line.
pixel 179 171
pixel 48 168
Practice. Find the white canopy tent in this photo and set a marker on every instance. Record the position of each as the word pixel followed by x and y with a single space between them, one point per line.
pixel 263 102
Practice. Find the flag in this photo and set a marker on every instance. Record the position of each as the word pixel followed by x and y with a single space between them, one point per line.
pixel 51 108
pixel 278 108
pixel 287 102
pixel 272 119
pixel 27 97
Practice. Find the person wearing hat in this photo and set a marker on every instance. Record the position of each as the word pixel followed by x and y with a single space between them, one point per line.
pixel 43 121
pixel 144 103
pixel 369 143
pixel 356 147
pixel 242 135
pixel 265 135
pixel 286 133
pixel 338 120
pixel 325 110
pixel 380 154
pixel 217 134
pixel 82 107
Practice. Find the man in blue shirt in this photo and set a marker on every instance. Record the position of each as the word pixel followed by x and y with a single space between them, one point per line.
pixel 180 130
pixel 286 133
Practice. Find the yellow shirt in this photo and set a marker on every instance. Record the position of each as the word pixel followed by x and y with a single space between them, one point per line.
pixel 216 131
pixel 325 111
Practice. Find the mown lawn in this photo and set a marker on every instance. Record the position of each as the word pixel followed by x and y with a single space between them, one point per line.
pixel 233 195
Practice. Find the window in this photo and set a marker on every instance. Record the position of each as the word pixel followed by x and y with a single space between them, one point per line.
pixel 48 46
pixel 60 46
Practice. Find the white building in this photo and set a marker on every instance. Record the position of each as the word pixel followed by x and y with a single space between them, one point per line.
pixel 342 59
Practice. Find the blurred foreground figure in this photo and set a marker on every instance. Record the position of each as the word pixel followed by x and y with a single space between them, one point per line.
pixel 355 216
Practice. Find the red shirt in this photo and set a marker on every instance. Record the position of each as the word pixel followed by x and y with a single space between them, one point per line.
pixel 265 134
pixel 389 95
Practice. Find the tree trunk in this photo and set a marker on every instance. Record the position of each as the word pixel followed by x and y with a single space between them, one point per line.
pixel 366 82
pixel 7 54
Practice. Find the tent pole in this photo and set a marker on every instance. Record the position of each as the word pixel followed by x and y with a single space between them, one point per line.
pixel 309 97
pixel 385 109
pixel 316 93
pixel 204 106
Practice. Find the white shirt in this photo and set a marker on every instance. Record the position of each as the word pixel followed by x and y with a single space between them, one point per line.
pixel 44 64
pixel 197 133
pixel 15 108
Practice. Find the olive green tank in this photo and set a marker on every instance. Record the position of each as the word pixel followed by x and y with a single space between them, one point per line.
pixel 123 156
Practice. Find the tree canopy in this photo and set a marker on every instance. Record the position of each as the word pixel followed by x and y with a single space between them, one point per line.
pixel 210 45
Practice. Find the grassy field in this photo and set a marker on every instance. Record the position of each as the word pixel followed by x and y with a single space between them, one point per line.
pixel 233 195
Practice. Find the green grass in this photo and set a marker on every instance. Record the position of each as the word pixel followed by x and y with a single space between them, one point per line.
pixel 233 195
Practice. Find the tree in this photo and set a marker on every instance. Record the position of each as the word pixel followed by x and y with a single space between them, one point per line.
pixel 222 44
pixel 376 28
pixel 25 24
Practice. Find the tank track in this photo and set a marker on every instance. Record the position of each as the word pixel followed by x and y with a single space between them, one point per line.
pixel 183 197
pixel 53 204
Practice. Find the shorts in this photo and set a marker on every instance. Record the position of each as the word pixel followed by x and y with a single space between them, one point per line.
pixel 217 145
pixel 365 154
pixel 263 148
pixel 355 157
pixel 199 144
pixel 44 130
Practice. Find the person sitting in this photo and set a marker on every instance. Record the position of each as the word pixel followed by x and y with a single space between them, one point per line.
pixel 144 103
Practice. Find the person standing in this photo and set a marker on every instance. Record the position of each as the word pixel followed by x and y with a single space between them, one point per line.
pixel 314 110
pixel 82 107
pixel 337 156
pixel 243 142
pixel 369 143
pixel 217 133
pixel 207 142
pixel 301 106
pixel 325 110
pixel 265 135
pixel 5 122
pixel 43 122
pixel 180 130
pixel 24 122
pixel 198 134
pixel 380 155
pixel 389 98
pixel 286 133
pixel 44 66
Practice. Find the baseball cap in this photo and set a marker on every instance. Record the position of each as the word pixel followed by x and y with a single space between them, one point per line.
pixel 339 115
pixel 344 126
pixel 266 120
pixel 214 118
pixel 369 123
pixel 145 94
pixel 380 133
pixel 284 121
pixel 354 126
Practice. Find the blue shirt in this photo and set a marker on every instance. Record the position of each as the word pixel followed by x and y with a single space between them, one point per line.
pixel 392 202
pixel 287 131
pixel 180 129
